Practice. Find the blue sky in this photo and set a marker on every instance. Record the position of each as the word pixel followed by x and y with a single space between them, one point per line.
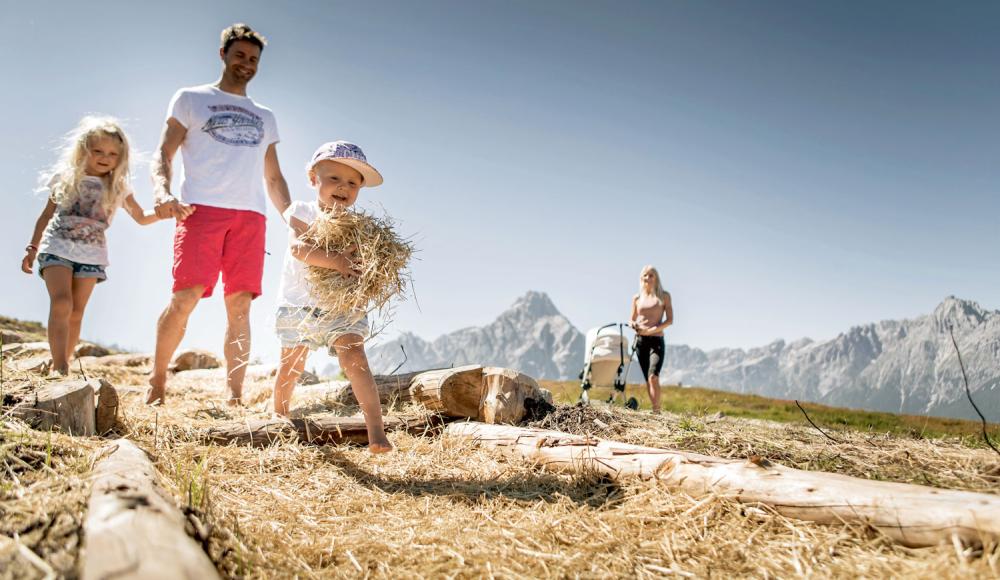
pixel 792 168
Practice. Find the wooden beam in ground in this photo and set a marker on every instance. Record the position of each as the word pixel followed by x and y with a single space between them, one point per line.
pixel 914 515
pixel 65 405
pixel 133 529
pixel 318 430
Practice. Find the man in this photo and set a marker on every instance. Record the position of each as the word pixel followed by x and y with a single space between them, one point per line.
pixel 228 144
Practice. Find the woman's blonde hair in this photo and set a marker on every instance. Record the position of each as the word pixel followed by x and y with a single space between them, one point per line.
pixel 658 290
pixel 63 178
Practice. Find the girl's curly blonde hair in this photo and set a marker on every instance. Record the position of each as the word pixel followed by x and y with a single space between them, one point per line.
pixel 63 178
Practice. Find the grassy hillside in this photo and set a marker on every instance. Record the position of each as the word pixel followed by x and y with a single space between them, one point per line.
pixel 699 401
pixel 442 507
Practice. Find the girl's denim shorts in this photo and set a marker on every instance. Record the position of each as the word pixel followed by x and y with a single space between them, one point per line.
pixel 79 270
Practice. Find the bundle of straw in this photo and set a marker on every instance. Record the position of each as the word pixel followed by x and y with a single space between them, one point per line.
pixel 381 256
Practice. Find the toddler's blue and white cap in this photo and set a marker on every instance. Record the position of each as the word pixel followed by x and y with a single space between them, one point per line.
pixel 349 154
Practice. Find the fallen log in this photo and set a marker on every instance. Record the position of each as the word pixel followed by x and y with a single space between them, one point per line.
pixel 133 529
pixel 65 405
pixel 456 392
pixel 392 389
pixel 914 515
pixel 490 394
pixel 318 430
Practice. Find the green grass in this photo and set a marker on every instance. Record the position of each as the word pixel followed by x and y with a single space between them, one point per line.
pixel 698 401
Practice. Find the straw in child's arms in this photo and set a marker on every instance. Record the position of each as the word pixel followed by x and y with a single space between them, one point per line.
pixel 381 259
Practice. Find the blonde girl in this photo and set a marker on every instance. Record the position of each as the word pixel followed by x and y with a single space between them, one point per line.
pixel 652 313
pixel 88 183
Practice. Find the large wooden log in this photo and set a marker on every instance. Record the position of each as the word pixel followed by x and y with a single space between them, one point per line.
pixel 66 405
pixel 455 392
pixel 914 515
pixel 392 389
pixel 490 394
pixel 318 430
pixel 133 529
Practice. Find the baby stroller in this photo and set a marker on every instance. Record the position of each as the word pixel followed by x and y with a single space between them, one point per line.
pixel 606 362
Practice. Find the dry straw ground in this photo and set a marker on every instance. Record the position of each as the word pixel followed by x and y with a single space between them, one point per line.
pixel 438 509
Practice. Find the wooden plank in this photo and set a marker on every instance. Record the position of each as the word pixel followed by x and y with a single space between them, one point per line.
pixel 317 429
pixel 913 515
pixel 133 529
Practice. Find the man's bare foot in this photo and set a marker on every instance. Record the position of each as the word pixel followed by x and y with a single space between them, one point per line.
pixel 235 399
pixel 379 445
pixel 157 391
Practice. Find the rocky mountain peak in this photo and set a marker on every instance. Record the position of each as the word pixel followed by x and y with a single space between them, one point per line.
pixel 959 312
pixel 533 305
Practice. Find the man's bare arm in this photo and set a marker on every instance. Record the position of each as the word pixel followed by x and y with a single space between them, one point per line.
pixel 165 204
pixel 277 187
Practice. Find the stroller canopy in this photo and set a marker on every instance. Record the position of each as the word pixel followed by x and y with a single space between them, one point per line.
pixel 605 345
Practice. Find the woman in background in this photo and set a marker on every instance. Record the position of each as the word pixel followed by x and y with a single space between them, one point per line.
pixel 652 313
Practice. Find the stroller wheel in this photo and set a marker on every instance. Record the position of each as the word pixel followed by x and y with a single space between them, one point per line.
pixel 632 403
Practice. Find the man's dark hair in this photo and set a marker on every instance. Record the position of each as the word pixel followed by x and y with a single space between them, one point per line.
pixel 240 31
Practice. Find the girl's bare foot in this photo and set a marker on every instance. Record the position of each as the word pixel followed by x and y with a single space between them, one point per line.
pixel 157 391
pixel 235 399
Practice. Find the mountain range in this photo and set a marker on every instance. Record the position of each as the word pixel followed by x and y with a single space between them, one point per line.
pixel 901 366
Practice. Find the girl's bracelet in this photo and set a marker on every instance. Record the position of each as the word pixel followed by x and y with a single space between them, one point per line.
pixel 31 248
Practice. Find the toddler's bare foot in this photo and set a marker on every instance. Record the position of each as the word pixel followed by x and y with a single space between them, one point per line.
pixel 157 391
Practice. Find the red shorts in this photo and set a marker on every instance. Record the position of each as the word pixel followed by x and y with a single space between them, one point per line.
pixel 214 240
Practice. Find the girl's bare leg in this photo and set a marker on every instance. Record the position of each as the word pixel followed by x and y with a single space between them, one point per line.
pixel 293 362
pixel 351 353
pixel 82 288
pixel 654 392
pixel 59 283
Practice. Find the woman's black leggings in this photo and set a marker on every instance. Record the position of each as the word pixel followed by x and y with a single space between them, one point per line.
pixel 650 352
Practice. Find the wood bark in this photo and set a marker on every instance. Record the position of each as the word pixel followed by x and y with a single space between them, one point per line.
pixel 133 529
pixel 319 430
pixel 67 405
pixel 914 515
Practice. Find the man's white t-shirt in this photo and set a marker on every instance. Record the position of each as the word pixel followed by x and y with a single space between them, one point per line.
pixel 293 290
pixel 223 151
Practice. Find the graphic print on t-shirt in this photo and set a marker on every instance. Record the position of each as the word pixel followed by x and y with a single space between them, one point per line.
pixel 234 125
pixel 85 220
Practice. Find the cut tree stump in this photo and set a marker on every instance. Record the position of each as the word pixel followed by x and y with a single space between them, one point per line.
pixel 106 413
pixel 133 529
pixel 914 515
pixel 318 430
pixel 66 405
